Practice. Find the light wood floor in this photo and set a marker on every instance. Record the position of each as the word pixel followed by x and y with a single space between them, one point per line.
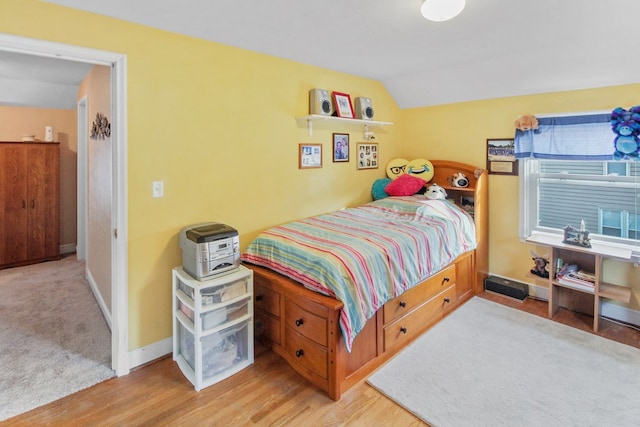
pixel 269 393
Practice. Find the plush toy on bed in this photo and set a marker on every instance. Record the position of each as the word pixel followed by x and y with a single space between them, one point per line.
pixel 405 178
pixel 459 180
pixel 396 167
pixel 404 185
pixel 626 125
pixel 435 192
pixel 420 168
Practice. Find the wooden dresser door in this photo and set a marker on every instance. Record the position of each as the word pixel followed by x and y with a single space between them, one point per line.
pixel 13 203
pixel 43 178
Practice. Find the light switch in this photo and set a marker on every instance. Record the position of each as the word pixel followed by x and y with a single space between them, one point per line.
pixel 158 188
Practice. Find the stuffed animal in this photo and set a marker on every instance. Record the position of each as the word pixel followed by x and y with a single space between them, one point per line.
pixel 526 122
pixel 435 192
pixel 626 125
pixel 540 265
pixel 459 180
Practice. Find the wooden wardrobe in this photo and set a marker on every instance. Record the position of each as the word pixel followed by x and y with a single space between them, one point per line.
pixel 29 203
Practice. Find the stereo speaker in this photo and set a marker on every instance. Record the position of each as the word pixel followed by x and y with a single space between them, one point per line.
pixel 519 291
pixel 364 109
pixel 320 102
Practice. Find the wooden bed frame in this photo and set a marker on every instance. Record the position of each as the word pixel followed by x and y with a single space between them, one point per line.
pixel 302 326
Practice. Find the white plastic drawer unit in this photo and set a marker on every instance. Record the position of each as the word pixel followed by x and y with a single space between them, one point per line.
pixel 212 325
pixel 216 294
pixel 220 350
pixel 216 316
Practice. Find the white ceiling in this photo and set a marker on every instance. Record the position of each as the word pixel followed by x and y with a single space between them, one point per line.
pixel 494 48
pixel 34 81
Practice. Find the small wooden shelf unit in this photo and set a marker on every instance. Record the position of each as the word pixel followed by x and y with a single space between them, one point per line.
pixel 588 259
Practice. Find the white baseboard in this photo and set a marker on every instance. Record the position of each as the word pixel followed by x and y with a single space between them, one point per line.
pixel 620 313
pixel 607 309
pixel 68 248
pixel 96 293
pixel 139 356
pixel 151 352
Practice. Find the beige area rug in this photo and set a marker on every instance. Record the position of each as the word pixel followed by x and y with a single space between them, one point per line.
pixel 491 365
pixel 54 339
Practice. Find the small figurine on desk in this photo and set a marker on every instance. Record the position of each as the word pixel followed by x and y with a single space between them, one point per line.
pixel 577 237
pixel 540 265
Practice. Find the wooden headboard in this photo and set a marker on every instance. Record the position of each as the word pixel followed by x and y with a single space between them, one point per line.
pixel 478 190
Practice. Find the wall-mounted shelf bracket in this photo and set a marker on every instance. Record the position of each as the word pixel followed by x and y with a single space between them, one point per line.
pixel 339 120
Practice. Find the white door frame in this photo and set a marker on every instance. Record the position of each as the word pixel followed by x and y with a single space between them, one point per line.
pixel 82 208
pixel 119 267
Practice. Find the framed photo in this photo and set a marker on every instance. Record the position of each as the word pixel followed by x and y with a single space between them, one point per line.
pixel 309 156
pixel 340 147
pixel 501 157
pixel 367 156
pixel 342 102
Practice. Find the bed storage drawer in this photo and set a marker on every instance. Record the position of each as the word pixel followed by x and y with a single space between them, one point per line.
pixel 408 327
pixel 417 295
pixel 306 323
pixel 266 300
pixel 305 353
pixel 267 327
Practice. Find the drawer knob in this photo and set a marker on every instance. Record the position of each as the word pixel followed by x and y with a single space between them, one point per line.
pixel 259 297
pixel 299 322
pixel 446 279
pixel 403 304
pixel 403 330
pixel 299 353
pixel 447 300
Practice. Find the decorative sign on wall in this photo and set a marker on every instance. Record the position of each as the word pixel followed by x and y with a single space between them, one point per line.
pixel 101 127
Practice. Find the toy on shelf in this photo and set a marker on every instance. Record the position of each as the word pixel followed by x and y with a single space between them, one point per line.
pixel 540 265
pixel 573 236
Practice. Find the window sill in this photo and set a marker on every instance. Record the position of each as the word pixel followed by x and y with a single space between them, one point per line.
pixel 609 250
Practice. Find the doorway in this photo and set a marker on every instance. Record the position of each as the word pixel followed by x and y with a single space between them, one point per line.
pixel 117 63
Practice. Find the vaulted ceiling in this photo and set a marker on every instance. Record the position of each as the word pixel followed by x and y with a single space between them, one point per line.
pixel 492 49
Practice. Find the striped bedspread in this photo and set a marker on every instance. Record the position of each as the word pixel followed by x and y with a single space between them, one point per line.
pixel 367 255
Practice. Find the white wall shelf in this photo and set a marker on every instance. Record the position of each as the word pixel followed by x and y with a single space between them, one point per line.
pixel 310 119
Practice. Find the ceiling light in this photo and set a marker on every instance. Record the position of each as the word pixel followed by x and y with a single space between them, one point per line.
pixel 441 10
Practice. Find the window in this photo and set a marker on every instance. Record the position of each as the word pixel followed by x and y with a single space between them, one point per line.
pixel 556 191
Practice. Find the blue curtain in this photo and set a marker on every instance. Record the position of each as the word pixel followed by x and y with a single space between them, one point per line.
pixel 586 137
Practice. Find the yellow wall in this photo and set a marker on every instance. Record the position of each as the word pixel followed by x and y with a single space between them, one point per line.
pixel 459 131
pixel 19 121
pixel 216 124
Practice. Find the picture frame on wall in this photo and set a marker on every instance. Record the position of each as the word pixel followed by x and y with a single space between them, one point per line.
pixel 309 156
pixel 368 156
pixel 501 156
pixel 343 105
pixel 340 147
